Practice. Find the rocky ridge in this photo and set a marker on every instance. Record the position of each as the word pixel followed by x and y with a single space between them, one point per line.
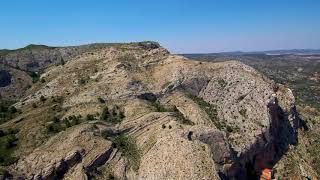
pixel 182 119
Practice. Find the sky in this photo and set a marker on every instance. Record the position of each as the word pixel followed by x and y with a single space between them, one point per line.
pixel 182 26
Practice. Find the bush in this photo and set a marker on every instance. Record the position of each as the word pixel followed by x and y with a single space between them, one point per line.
pixel 102 101
pixel 222 83
pixel 57 99
pixel 35 77
pixel 55 128
pixel 84 80
pixel 90 117
pixel 243 113
pixel 12 109
pixel 58 125
pixel 34 105
pixel 42 98
pixel 210 109
pixel 42 80
pixel 7 112
pixel 113 115
pixel 7 144
pixel 161 108
pixel 128 147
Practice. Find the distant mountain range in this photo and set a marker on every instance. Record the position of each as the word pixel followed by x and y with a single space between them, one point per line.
pixel 269 52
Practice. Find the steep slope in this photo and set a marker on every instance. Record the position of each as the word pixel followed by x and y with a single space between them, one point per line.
pixel 134 111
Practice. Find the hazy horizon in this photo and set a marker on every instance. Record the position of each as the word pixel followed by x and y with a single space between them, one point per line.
pixel 180 26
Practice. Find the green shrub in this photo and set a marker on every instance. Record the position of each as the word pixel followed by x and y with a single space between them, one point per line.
pixel 57 99
pixel 58 125
pixel 128 147
pixel 210 109
pixel 113 115
pixel 7 111
pixel 35 77
pixel 229 129
pixel 55 128
pixel 42 98
pixel 12 109
pixel 102 101
pixel 161 108
pixel 90 117
pixel 243 113
pixel 222 83
pixel 8 141
pixel 84 80
pixel 34 105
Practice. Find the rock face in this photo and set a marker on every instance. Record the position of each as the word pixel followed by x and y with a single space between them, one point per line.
pixel 185 119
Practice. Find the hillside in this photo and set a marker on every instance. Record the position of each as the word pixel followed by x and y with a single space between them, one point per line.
pixel 135 111
pixel 26 64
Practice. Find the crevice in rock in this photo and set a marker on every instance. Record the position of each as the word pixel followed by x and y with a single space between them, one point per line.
pixel 100 160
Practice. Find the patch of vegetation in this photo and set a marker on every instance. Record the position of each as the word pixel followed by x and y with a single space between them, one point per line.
pixel 112 115
pixel 34 46
pixel 130 61
pixel 222 83
pixel 128 147
pixel 84 80
pixel 160 108
pixel 8 142
pixel 57 99
pixel 127 58
pixel 315 150
pixel 165 84
pixel 101 100
pixel 56 125
pixel 90 117
pixel 210 109
pixel 231 129
pixel 180 117
pixel 243 113
pixel 7 111
pixel 43 99
pixel 35 76
pixel 34 105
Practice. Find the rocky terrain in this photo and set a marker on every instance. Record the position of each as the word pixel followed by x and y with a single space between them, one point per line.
pixel 298 70
pixel 135 111
pixel 26 64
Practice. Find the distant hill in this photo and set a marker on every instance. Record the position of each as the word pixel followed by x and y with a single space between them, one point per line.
pixel 270 52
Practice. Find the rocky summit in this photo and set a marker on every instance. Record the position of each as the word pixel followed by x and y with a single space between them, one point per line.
pixel 135 111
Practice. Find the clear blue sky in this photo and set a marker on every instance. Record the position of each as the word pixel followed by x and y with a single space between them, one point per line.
pixel 182 26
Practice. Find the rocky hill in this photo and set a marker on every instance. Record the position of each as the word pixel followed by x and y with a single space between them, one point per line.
pixel 135 111
pixel 20 68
